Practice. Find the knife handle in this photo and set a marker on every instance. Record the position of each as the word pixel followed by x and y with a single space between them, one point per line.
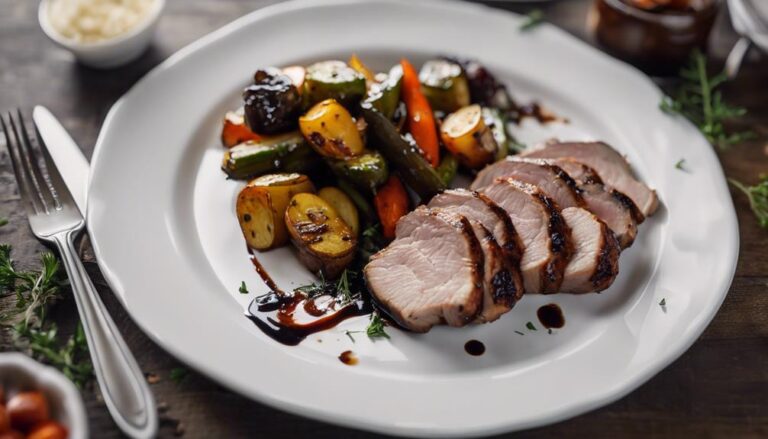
pixel 122 383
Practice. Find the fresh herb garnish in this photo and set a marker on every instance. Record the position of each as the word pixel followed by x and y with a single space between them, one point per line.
pixel 243 288
pixel 178 374
pixel 680 165
pixel 349 334
pixel 698 99
pixel 371 241
pixel 519 333
pixel 3 221
pixel 758 198
pixel 663 304
pixel 532 19
pixel 530 326
pixel 376 327
pixel 342 286
pixel 34 291
pixel 341 289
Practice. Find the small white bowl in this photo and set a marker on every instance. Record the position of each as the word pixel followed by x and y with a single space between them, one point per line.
pixel 109 53
pixel 20 373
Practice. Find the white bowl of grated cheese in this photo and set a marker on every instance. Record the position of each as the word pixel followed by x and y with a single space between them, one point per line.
pixel 101 33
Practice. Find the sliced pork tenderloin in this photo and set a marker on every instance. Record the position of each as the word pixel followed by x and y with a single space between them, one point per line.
pixel 432 273
pixel 552 180
pixel 542 231
pixel 595 261
pixel 612 208
pixel 479 207
pixel 612 167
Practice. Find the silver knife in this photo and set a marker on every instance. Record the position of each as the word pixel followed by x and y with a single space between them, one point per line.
pixel 69 158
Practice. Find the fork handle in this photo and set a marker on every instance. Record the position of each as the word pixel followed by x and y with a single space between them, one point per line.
pixel 122 383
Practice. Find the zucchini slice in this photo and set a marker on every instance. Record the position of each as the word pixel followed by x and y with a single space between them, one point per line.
pixel 333 80
pixel 444 85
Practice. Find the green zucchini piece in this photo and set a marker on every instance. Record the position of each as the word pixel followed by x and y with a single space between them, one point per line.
pixel 385 95
pixel 447 169
pixel 405 156
pixel 362 204
pixel 496 121
pixel 367 171
pixel 285 152
pixel 444 85
pixel 333 80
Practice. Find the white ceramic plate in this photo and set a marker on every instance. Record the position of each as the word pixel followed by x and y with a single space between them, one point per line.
pixel 161 217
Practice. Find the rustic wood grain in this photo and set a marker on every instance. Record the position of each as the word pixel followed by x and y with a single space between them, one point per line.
pixel 719 388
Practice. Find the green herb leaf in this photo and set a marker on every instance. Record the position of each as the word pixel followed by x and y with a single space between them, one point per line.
pixel 34 292
pixel 349 334
pixel 698 99
pixel 178 374
pixel 243 288
pixel 532 19
pixel 3 221
pixel 530 326
pixel 758 198
pixel 680 165
pixel 519 333
pixel 376 327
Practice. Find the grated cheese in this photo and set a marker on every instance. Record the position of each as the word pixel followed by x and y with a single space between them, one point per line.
pixel 89 21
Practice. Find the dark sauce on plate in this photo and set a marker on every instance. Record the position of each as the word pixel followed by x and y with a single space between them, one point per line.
pixel 348 358
pixel 551 316
pixel 534 110
pixel 289 318
pixel 474 348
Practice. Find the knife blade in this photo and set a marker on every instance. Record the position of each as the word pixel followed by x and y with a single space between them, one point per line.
pixel 67 156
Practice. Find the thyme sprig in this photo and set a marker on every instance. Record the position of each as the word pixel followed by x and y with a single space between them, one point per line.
pixel 758 198
pixel 376 327
pixel 532 19
pixel 698 99
pixel 34 292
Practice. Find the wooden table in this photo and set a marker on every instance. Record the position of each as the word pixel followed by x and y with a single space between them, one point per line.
pixel 718 388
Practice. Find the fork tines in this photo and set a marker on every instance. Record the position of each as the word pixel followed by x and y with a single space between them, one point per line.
pixel 40 194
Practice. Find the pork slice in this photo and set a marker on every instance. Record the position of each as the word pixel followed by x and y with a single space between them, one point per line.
pixel 595 261
pixel 553 181
pixel 612 167
pixel 614 209
pixel 579 172
pixel 543 233
pixel 479 207
pixel 432 273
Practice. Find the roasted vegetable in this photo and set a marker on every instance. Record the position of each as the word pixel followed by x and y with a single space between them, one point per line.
pixel 449 165
pixel 405 156
pixel 331 130
pixel 391 203
pixel 333 80
pixel 261 207
pixel 367 171
pixel 325 243
pixel 234 130
pixel 285 152
pixel 421 120
pixel 297 75
pixel 496 121
pixel 343 206
pixel 466 136
pixel 272 103
pixel 363 206
pixel 444 84
pixel 385 95
pixel 357 65
pixel 484 88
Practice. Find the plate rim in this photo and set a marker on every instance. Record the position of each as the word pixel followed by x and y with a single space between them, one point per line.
pixel 587 404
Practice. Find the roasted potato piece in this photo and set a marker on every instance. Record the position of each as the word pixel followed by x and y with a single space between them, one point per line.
pixel 466 136
pixel 326 244
pixel 272 102
pixel 343 206
pixel 261 208
pixel 331 130
pixel 234 130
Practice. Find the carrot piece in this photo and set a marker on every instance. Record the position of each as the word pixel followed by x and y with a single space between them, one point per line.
pixel 234 131
pixel 421 120
pixel 391 203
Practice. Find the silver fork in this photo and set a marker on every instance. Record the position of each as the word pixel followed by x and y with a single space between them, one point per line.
pixel 54 218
